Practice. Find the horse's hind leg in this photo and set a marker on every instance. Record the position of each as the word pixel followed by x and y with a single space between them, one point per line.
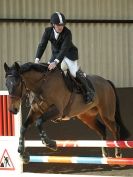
pixel 92 122
pixel 114 129
pixel 113 120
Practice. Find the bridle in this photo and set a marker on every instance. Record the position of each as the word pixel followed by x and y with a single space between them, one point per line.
pixel 23 87
pixel 24 91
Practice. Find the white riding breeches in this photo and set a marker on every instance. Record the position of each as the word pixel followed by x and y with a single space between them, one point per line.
pixel 71 65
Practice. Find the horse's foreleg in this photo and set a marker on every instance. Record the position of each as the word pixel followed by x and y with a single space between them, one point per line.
pixel 21 147
pixel 52 113
pixel 45 139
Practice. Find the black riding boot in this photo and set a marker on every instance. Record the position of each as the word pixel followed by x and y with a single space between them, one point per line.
pixel 89 93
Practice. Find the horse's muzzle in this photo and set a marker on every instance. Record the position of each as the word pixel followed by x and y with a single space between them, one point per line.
pixel 14 110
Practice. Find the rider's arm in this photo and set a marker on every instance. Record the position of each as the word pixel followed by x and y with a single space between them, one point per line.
pixel 42 45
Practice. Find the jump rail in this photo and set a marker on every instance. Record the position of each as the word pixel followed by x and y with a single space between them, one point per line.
pixel 82 160
pixel 83 143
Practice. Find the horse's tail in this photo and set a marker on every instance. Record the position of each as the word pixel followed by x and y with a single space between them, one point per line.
pixel 123 131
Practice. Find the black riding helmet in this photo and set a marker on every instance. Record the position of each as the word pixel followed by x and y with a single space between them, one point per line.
pixel 58 18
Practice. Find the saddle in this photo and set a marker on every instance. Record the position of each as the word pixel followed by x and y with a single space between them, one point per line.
pixel 73 85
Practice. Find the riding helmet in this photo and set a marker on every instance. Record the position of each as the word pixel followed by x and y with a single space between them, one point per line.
pixel 58 18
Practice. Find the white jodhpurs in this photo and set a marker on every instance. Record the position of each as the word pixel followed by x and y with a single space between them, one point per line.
pixel 71 65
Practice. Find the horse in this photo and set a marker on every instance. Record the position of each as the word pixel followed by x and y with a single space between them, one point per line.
pixel 50 99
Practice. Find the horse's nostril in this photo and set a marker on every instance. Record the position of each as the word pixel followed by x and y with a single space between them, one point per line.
pixel 15 111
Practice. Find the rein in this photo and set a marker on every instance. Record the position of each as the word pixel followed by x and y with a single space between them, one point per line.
pixel 27 93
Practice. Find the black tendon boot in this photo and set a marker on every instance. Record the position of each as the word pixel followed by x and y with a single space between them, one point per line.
pixel 89 93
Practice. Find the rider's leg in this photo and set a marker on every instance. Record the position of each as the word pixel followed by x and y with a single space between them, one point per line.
pixel 64 67
pixel 89 93
pixel 79 75
pixel 71 65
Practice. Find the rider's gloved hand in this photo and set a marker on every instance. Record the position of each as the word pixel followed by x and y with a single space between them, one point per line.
pixel 37 60
pixel 52 65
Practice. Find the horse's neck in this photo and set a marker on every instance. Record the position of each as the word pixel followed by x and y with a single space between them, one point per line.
pixel 32 79
pixel 35 80
pixel 50 86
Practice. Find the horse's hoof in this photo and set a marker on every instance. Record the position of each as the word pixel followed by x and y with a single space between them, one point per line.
pixel 119 155
pixel 104 155
pixel 25 158
pixel 52 145
pixel 20 150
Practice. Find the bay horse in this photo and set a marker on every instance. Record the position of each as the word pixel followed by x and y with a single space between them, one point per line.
pixel 51 99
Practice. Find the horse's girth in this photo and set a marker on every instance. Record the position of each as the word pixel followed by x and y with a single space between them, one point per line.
pixel 68 106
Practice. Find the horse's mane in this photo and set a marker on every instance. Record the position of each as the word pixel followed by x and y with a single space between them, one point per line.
pixel 42 67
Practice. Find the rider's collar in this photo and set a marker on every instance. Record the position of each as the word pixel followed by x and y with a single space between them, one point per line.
pixel 56 34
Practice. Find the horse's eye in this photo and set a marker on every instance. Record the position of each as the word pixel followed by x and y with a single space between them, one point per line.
pixel 11 84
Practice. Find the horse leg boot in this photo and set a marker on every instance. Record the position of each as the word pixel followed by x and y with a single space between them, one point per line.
pixel 52 113
pixel 89 93
pixel 51 144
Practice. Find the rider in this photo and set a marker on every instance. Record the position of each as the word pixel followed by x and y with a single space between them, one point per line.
pixel 63 51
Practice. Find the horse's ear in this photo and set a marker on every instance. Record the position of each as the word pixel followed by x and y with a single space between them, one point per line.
pixel 6 67
pixel 17 66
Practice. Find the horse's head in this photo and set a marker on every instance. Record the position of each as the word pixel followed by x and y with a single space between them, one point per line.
pixel 14 86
